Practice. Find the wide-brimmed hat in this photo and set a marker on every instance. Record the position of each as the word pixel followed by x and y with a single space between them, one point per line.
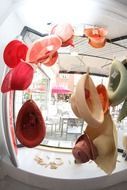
pixel 123 111
pixel 51 60
pixel 18 78
pixel 66 32
pixel 86 103
pixel 117 87
pixel 104 137
pixel 30 126
pixel 42 49
pixel 84 149
pixel 14 52
pixel 102 91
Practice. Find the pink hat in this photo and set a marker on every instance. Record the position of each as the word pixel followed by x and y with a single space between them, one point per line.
pixel 65 32
pixel 30 126
pixel 43 48
pixel 14 52
pixel 50 60
pixel 18 78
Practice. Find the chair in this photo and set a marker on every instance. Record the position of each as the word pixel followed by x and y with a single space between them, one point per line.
pixel 74 126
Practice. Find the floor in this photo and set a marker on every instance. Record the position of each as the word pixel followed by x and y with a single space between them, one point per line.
pixel 10 184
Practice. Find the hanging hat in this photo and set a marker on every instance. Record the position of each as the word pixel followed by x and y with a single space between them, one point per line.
pixel 103 97
pixel 117 87
pixel 14 52
pixel 86 102
pixel 104 137
pixel 18 78
pixel 94 32
pixel 84 149
pixel 97 42
pixel 30 126
pixel 51 60
pixel 65 32
pixel 96 36
pixel 43 48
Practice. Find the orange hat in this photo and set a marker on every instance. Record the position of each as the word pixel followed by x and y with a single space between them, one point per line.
pixel 18 78
pixel 96 36
pixel 103 97
pixel 30 126
pixel 14 52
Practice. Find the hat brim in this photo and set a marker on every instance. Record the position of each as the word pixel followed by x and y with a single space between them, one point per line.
pixel 105 139
pixel 13 52
pixel 18 78
pixel 117 88
pixel 88 104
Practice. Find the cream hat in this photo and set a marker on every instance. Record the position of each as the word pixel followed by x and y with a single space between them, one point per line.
pixel 105 139
pixel 85 102
pixel 117 87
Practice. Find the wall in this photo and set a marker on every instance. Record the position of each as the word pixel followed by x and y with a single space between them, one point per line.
pixel 9 29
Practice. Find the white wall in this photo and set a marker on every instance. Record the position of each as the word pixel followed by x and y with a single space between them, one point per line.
pixel 9 29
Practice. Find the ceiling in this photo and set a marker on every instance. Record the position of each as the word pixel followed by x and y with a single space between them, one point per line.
pixel 110 14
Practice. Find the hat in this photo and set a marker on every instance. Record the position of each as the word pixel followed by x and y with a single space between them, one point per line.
pixel 94 32
pixel 103 97
pixel 84 149
pixel 30 126
pixel 104 137
pixel 65 31
pixel 96 36
pixel 18 78
pixel 14 52
pixel 43 48
pixel 97 42
pixel 117 87
pixel 86 102
pixel 51 60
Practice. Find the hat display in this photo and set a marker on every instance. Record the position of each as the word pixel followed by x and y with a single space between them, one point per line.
pixel 14 52
pixel 117 88
pixel 86 102
pixel 103 97
pixel 42 49
pixel 65 31
pixel 84 149
pixel 104 138
pixel 18 78
pixel 30 126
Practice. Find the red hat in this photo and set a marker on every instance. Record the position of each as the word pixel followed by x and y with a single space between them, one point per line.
pixel 65 32
pixel 43 48
pixel 84 149
pixel 14 52
pixel 30 126
pixel 18 78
